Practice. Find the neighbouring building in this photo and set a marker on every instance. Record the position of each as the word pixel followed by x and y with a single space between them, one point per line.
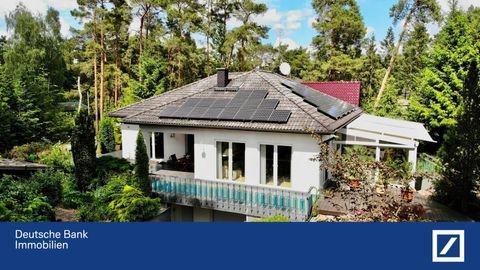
pixel 235 146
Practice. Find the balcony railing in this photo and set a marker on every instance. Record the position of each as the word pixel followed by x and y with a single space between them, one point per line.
pixel 240 198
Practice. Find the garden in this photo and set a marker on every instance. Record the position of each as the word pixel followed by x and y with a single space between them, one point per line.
pixel 77 181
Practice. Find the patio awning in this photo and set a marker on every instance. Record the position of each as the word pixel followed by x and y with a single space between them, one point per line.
pixel 390 127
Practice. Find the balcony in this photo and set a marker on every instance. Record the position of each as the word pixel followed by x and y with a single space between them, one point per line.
pixel 228 196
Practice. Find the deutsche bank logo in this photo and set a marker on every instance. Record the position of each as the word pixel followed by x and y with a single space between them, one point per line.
pixel 448 246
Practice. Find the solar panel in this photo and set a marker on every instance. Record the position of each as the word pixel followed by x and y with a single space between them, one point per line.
pixel 236 103
pixel 229 113
pixel 183 112
pixel 261 94
pixel 198 112
pixel 280 116
pixel 244 114
pixel 268 104
pixel 212 113
pixel 252 103
pixel 243 94
pixel 326 104
pixel 206 102
pixel 192 102
pixel 262 115
pixel 168 111
pixel 221 103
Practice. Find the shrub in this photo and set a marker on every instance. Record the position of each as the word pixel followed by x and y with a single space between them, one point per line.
pixel 97 209
pixel 107 165
pixel 83 150
pixel 142 165
pixel 132 205
pixel 72 198
pixel 58 156
pixel 274 219
pixel 29 151
pixel 107 135
pixel 22 202
pixel 49 183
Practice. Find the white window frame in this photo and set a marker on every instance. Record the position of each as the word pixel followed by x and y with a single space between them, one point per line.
pixel 230 158
pixel 152 148
pixel 275 162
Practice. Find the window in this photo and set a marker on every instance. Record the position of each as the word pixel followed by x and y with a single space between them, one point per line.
pixel 266 164
pixel 238 162
pixel 284 166
pixel 223 155
pixel 231 161
pixel 275 165
pixel 156 145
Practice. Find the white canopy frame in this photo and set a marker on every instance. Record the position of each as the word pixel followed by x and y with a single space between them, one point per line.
pixel 381 132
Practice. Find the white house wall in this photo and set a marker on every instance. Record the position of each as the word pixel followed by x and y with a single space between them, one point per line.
pixel 304 172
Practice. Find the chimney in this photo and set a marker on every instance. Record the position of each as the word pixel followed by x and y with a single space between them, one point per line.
pixel 222 77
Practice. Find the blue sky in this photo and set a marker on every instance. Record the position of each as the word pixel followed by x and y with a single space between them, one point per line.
pixel 289 20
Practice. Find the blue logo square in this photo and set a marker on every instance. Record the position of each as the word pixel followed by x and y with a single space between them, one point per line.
pixel 452 250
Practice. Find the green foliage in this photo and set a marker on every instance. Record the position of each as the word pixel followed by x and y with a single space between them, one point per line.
pixel 106 135
pixel 83 150
pixel 21 201
pixel 142 165
pixel 108 166
pixel 149 78
pixel 132 205
pixel 29 151
pixel 58 156
pixel 436 99
pixel 461 150
pixel 96 209
pixel 274 219
pixel 72 198
pixel 35 71
pixel 340 28
pixel 49 183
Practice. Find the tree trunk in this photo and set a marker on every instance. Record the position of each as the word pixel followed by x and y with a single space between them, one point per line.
pixel 102 71
pixel 392 59
pixel 95 73
pixel 79 94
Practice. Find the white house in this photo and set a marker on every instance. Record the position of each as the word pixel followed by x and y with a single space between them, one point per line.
pixel 243 144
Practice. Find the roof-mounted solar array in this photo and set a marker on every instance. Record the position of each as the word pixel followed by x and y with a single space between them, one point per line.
pixel 246 105
pixel 326 104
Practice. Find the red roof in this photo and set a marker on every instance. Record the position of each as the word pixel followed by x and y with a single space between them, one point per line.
pixel 346 91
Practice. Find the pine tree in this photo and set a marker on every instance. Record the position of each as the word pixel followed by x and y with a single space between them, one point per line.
pixel 388 45
pixel 142 165
pixel 411 11
pixel 340 28
pixel 83 150
pixel 435 100
pixel 461 153
pixel 244 41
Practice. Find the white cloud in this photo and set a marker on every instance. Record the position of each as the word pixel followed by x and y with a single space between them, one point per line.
pixel 287 41
pixel 464 4
pixel 370 30
pixel 65 29
pixel 271 17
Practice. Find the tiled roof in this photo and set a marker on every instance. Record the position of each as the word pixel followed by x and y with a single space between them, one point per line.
pixel 305 118
pixel 346 91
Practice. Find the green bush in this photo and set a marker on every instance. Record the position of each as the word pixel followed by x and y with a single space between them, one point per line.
pixel 58 156
pixel 108 166
pixel 132 205
pixel 49 183
pixel 142 165
pixel 29 151
pixel 274 219
pixel 72 198
pixel 107 135
pixel 21 201
pixel 97 209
